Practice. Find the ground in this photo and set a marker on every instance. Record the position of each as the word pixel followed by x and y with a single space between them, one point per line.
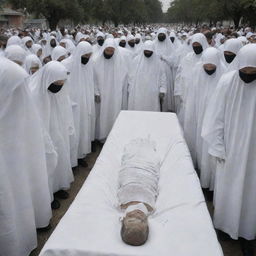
pixel 230 248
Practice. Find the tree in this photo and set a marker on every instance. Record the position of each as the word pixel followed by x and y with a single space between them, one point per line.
pixel 212 11
pixel 52 10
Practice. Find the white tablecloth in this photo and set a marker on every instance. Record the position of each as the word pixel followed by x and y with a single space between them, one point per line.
pixel 180 226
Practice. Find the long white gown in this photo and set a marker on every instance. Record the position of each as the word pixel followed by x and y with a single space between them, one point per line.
pixel 55 111
pixel 147 80
pixel 111 80
pixel 184 75
pixel 230 130
pixel 25 202
pixel 81 90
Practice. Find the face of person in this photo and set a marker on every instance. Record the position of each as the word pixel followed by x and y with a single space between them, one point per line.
pixel 18 62
pixel 209 67
pixel 135 228
pixel 63 44
pixel 88 55
pixel 136 214
pixel 248 70
pixel 44 42
pixel 47 59
pixel 29 44
pixel 109 52
pixel 34 69
pixel 39 53
pixel 61 58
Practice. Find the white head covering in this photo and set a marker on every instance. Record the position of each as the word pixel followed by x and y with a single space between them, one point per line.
pixel 49 48
pixel 25 40
pixel 58 52
pixel 100 34
pixel 15 53
pixel 36 48
pixel 31 61
pixel 69 45
pixel 212 56
pixel 80 36
pixel 247 56
pixel 14 40
pixel 233 45
pixel 242 39
pixel 164 48
pixel 201 39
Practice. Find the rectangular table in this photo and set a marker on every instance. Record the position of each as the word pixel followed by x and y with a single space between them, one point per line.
pixel 180 226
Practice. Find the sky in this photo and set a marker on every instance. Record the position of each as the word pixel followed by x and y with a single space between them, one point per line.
pixel 166 4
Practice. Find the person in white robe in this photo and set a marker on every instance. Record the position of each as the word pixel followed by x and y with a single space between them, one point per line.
pixel 147 84
pixel 184 74
pixel 81 91
pixel 229 128
pixel 164 50
pixel 122 41
pixel 37 50
pixel 14 40
pixel 32 64
pixel 231 48
pixel 131 46
pixel 50 95
pixel 16 54
pixel 50 45
pixel 111 81
pixel 59 53
pixel 69 45
pixel 25 202
pixel 138 43
pixel 100 39
pixel 206 75
pixel 27 44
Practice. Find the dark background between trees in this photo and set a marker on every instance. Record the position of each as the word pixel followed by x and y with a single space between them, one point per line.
pixel 139 11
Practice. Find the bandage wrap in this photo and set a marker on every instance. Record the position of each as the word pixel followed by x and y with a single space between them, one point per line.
pixel 139 174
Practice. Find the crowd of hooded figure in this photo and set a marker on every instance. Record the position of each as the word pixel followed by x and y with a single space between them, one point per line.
pixel 62 91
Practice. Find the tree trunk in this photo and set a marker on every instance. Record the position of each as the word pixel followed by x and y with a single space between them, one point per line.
pixel 116 23
pixel 236 20
pixel 53 23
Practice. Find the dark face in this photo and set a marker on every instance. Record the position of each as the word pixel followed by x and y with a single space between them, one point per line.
pixel 29 44
pixel 161 37
pixel 100 40
pixel 47 59
pixel 137 41
pixel 248 70
pixel 248 74
pixel 56 86
pixel 229 56
pixel 148 54
pixel 209 68
pixel 109 52
pixel 197 47
pixel 53 43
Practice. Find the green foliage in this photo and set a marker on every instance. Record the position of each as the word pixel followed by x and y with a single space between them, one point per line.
pixel 212 11
pixel 116 11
